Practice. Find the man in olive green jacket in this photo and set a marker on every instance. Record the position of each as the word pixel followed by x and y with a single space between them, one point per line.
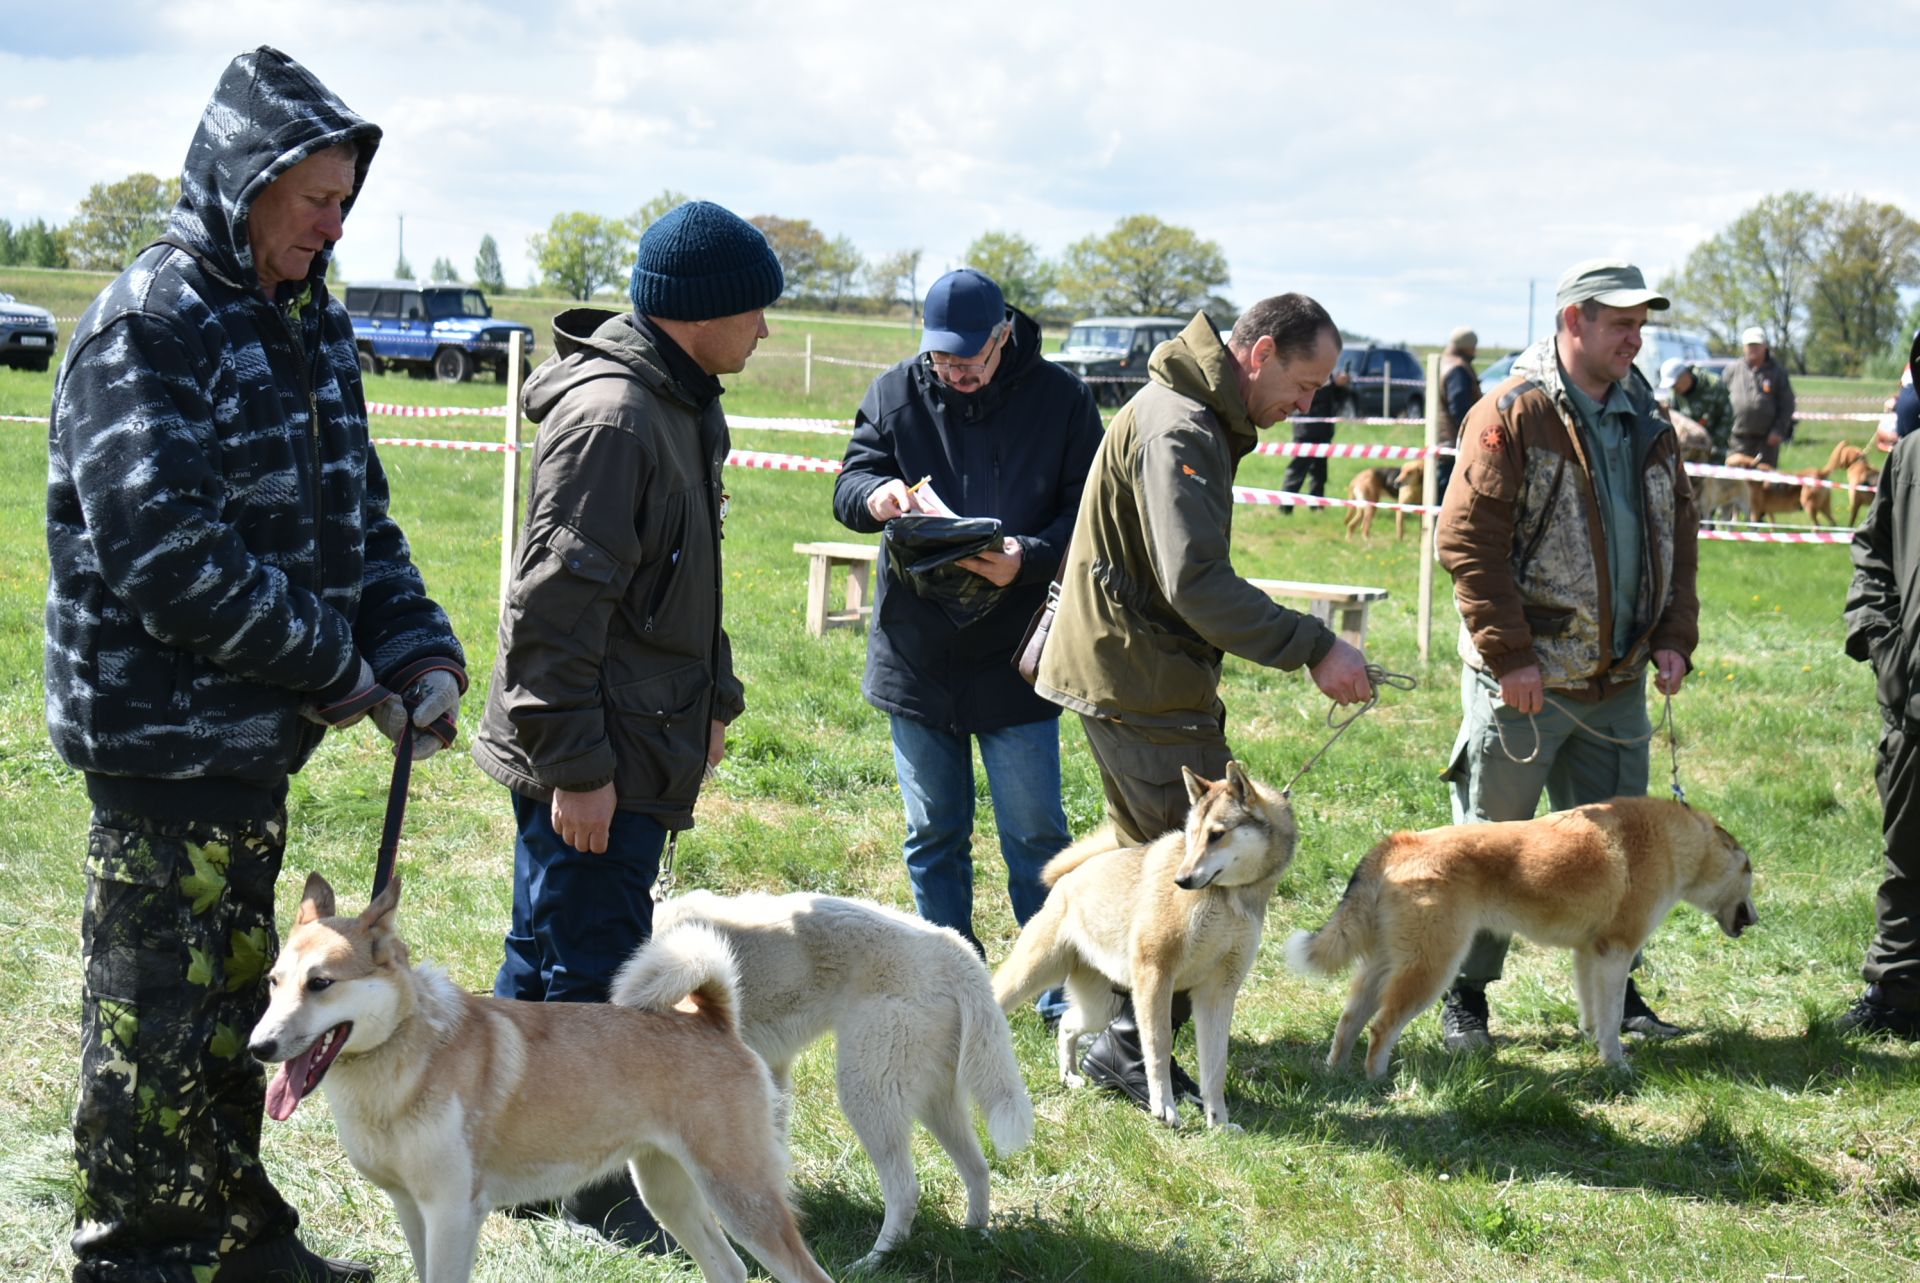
pixel 1150 602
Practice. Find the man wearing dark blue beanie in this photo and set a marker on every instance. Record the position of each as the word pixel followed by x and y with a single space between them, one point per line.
pixel 614 682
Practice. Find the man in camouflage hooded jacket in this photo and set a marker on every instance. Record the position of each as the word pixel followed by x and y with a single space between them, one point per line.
pixel 225 585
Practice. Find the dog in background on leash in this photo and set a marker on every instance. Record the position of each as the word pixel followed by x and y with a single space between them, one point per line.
pixel 916 1030
pixel 1371 486
pixel 1594 879
pixel 455 1104
pixel 1183 913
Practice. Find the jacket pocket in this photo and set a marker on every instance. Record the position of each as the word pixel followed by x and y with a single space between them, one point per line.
pixel 559 581
pixel 1548 621
pixel 659 727
pixel 1891 680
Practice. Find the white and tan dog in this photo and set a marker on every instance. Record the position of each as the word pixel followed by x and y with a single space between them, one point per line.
pixel 1595 879
pixel 455 1104
pixel 1184 912
pixel 916 1031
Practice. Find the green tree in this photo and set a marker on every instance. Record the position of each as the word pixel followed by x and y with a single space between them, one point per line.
pixel 895 276
pixel 7 251
pixel 798 244
pixel 118 220
pixel 487 271
pixel 36 244
pixel 1759 271
pixel 650 211
pixel 1016 265
pixel 402 270
pixel 838 267
pixel 1143 266
pixel 1868 253
pixel 582 253
pixel 444 271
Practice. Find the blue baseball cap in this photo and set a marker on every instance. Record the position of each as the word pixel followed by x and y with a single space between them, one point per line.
pixel 962 308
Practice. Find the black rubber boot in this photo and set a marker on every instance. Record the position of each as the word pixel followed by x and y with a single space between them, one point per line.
pixel 288 1260
pixel 1115 1061
pixel 1636 1017
pixel 612 1208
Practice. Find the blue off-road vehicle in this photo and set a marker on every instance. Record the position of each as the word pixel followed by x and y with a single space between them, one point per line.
pixel 447 331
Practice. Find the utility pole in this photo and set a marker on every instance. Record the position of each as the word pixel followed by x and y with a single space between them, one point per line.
pixel 403 256
pixel 1529 311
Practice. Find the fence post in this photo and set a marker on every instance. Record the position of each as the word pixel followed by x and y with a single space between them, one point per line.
pixel 809 363
pixel 1429 493
pixel 1386 388
pixel 510 478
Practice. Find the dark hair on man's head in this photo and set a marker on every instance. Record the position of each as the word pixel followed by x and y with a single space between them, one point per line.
pixel 1293 321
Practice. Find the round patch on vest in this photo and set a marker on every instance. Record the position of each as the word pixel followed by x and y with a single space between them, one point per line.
pixel 1493 438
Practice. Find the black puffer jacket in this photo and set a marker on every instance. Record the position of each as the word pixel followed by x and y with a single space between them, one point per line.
pixel 216 517
pixel 1019 450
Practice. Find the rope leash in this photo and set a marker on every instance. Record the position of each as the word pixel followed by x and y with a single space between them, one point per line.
pixel 1376 678
pixel 1666 722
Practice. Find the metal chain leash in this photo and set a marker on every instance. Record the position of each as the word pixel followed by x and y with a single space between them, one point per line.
pixel 1376 678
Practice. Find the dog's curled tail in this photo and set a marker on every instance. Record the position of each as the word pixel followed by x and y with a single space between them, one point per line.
pixel 691 960
pixel 1347 934
pixel 988 1068
pixel 1098 842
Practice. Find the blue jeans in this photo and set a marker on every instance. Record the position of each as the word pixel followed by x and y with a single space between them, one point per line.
pixel 936 782
pixel 577 917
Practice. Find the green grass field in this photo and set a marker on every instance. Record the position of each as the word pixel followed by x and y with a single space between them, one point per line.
pixel 1761 1146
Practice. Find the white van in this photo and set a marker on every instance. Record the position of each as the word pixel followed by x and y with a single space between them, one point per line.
pixel 1660 344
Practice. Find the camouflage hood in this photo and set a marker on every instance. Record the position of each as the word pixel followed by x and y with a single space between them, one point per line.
pixel 267 114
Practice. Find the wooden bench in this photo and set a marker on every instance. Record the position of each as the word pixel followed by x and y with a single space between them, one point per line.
pixel 1329 603
pixel 858 558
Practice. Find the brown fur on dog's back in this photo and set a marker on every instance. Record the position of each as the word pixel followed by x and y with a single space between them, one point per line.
pixel 1372 486
pixel 1860 472
pixel 1595 879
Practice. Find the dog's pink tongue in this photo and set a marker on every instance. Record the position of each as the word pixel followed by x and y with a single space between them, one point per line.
pixel 283 1093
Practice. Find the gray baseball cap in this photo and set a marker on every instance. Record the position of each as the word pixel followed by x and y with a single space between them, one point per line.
pixel 1609 281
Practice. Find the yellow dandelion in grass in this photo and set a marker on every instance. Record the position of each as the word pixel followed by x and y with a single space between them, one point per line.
pixel 1756 596
pixel 1806 668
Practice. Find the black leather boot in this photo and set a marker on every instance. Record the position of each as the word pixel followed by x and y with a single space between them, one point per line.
pixel 288 1260
pixel 1115 1060
pixel 612 1208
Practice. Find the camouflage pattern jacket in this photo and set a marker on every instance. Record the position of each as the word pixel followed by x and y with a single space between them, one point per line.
pixel 1710 407
pixel 216 517
pixel 1520 531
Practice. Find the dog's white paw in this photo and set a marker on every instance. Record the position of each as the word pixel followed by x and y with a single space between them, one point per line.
pixel 1071 1079
pixel 1168 1114
pixel 871 1261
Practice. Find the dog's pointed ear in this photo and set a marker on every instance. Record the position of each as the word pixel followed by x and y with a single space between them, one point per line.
pixel 1239 787
pixel 1196 787
pixel 316 901
pixel 378 916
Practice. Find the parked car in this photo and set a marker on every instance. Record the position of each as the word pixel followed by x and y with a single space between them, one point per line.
pixel 446 331
pixel 1111 352
pixel 1494 375
pixel 1370 364
pixel 28 336
pixel 1661 343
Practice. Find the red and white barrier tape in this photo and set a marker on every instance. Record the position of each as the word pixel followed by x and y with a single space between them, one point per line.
pixel 1344 450
pixel 1288 499
pixel 1862 417
pixel 780 462
pixel 1779 536
pixel 1774 478
pixel 444 443
pixel 393 410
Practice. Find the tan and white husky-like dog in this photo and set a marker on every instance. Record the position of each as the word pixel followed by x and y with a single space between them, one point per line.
pixel 916 1031
pixel 1594 879
pixel 1184 912
pixel 455 1104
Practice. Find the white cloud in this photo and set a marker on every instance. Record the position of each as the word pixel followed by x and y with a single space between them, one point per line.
pixel 1412 168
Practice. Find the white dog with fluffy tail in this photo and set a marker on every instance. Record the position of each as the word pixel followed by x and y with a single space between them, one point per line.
pixel 916 1028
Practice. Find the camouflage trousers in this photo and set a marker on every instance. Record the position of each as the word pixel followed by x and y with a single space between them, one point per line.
pixel 177 939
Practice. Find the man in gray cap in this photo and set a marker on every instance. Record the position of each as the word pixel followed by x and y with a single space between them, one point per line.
pixel 1571 541
pixel 1762 398
pixel 614 681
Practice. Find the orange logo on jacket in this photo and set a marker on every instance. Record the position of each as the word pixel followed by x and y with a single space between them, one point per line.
pixel 1188 471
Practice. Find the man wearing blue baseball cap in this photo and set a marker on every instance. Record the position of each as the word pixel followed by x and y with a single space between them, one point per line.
pixel 614 682
pixel 994 430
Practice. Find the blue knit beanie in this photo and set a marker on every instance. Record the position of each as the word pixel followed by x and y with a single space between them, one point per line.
pixel 699 261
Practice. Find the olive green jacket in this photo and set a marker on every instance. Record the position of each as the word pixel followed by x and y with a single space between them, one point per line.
pixel 1150 601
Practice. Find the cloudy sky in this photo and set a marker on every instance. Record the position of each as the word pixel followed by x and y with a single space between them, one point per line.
pixel 1412 167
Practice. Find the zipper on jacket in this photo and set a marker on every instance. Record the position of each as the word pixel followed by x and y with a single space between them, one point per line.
pixel 313 449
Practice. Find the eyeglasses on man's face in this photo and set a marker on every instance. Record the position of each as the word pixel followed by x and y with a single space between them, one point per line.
pixel 948 365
